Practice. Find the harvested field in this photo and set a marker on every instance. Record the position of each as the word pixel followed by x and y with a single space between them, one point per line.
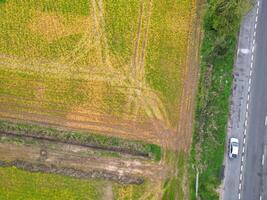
pixel 114 67
pixel 91 89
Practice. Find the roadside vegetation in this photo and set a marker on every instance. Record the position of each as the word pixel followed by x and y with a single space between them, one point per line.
pixel 221 25
pixel 175 187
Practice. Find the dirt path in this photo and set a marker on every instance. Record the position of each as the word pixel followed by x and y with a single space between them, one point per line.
pixel 66 156
pixel 108 193
pixel 185 123
pixel 137 40
pixel 139 98
pixel 105 125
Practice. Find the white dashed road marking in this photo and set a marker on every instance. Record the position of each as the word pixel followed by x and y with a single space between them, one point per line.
pixel 247 106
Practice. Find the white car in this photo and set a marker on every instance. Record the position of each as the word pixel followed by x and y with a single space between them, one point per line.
pixel 233 147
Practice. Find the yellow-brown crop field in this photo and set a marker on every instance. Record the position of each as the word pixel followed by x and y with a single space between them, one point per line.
pixel 112 66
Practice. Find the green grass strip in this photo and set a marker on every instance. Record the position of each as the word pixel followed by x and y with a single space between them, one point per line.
pixel 221 25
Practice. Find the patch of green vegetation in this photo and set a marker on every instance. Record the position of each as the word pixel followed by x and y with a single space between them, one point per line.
pixel 115 101
pixel 80 7
pixel 221 25
pixel 68 42
pixel 166 52
pixel 130 192
pixel 59 95
pixel 121 21
pixel 18 184
pixel 174 186
pixel 99 141
pixel 15 21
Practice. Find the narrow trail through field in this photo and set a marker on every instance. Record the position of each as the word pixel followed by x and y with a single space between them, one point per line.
pixel 108 193
pixel 137 40
pixel 185 123
pixel 83 159
pixel 153 109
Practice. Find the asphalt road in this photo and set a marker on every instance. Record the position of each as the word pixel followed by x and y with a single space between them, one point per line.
pixel 246 176
pixel 254 166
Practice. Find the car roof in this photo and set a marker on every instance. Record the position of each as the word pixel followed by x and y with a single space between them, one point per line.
pixel 235 150
pixel 234 140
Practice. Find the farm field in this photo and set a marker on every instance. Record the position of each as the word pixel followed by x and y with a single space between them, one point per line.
pixel 21 185
pixel 121 70
pixel 115 67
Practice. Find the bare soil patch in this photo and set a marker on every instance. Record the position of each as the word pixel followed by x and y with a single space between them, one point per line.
pixel 77 161
pixel 185 124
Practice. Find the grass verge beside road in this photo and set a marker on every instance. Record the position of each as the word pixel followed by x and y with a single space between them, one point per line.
pixel 221 24
pixel 174 187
